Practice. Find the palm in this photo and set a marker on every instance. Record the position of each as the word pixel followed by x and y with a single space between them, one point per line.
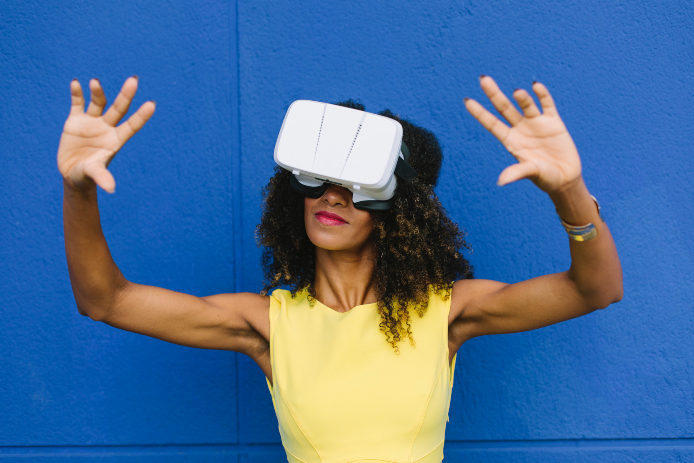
pixel 85 141
pixel 545 152
pixel 90 139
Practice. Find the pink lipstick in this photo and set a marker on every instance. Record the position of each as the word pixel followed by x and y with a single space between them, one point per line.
pixel 330 218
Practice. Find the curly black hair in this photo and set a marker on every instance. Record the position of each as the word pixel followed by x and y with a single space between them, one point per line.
pixel 417 247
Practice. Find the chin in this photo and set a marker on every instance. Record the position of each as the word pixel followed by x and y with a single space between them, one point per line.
pixel 328 241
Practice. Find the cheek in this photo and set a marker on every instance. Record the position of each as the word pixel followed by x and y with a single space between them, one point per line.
pixel 308 203
pixel 314 235
pixel 365 228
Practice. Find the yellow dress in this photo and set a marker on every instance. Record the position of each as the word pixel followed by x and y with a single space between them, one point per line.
pixel 342 394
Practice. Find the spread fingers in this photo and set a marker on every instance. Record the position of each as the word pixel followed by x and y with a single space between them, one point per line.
pixel 77 98
pixel 487 119
pixel 526 102
pixel 500 101
pixel 98 99
pixel 546 100
pixel 122 102
pixel 135 122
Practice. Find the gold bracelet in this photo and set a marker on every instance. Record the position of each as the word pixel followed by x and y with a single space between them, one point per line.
pixel 583 232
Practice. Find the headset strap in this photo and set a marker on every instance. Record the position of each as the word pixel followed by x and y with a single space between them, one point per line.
pixel 375 204
pixel 402 168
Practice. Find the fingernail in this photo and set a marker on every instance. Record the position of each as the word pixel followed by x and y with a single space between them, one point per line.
pixel 97 80
pixel 517 90
pixel 74 79
pixel 465 99
pixel 482 75
pixel 155 103
pixel 137 78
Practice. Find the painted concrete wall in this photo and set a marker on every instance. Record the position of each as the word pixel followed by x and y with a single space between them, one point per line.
pixel 614 386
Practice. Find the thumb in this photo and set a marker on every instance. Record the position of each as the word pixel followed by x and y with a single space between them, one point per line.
pixel 517 172
pixel 101 177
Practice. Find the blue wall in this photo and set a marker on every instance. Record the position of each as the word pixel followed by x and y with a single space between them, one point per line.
pixel 614 386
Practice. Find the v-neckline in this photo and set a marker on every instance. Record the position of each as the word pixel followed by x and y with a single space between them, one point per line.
pixel 370 304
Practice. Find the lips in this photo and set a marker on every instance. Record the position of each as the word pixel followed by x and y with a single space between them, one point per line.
pixel 330 218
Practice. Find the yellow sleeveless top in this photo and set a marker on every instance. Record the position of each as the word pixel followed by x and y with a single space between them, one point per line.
pixel 342 394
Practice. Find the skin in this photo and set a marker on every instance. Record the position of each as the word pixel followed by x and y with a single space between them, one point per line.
pixel 343 250
pixel 240 322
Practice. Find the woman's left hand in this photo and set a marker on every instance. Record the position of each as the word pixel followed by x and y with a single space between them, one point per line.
pixel 545 152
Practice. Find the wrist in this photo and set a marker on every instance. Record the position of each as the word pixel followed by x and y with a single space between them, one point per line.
pixel 573 188
pixel 88 190
pixel 574 204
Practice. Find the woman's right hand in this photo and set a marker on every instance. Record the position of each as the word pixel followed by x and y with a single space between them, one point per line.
pixel 91 139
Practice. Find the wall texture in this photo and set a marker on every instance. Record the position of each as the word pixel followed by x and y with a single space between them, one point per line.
pixel 613 386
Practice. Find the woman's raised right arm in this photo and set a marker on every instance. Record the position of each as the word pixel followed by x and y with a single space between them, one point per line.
pixel 90 139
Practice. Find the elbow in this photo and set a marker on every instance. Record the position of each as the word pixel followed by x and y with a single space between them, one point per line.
pixel 90 311
pixel 601 293
pixel 609 298
pixel 82 311
pixel 618 291
pixel 97 305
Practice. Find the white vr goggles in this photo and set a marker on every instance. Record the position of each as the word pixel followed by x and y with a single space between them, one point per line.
pixel 323 144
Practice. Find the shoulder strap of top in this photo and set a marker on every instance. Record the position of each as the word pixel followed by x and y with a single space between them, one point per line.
pixel 278 299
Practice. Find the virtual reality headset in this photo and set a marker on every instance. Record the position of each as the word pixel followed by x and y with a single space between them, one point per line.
pixel 323 144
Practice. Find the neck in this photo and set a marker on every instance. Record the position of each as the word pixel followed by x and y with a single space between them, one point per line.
pixel 343 278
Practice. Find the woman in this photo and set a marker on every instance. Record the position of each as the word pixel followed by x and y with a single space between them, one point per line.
pixel 359 356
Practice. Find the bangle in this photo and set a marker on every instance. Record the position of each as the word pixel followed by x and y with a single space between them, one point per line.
pixel 583 232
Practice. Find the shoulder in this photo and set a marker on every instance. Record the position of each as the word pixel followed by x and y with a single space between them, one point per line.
pixel 280 296
pixel 284 303
pixel 439 300
pixel 284 297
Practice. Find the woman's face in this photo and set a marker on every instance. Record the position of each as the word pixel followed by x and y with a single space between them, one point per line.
pixel 333 223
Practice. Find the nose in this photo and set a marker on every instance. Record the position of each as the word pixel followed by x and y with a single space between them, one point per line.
pixel 337 195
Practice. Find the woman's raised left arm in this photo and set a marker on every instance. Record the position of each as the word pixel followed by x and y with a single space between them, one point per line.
pixel 547 155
